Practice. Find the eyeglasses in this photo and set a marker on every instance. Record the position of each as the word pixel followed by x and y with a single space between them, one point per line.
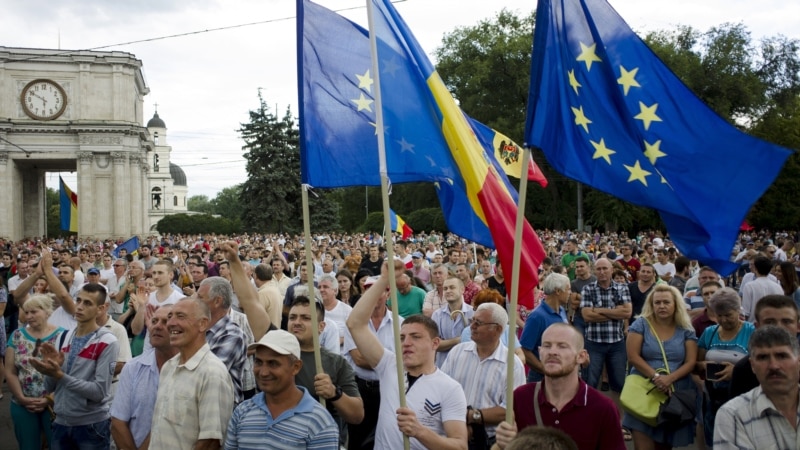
pixel 478 323
pixel 119 265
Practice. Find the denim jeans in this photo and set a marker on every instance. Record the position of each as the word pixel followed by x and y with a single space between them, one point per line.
pixel 95 436
pixel 613 356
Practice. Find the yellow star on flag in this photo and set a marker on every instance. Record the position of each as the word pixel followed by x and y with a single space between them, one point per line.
pixel 653 151
pixel 601 151
pixel 647 114
pixel 363 103
pixel 580 118
pixel 375 125
pixel 628 79
pixel 574 81
pixel 637 173
pixel 588 55
pixel 365 81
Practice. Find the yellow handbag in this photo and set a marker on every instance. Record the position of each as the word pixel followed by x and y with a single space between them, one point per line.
pixel 639 396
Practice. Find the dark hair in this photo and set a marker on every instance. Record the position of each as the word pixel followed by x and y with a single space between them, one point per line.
pixel 302 300
pixel 777 302
pixel 582 258
pixel 772 336
pixel 425 321
pixel 353 287
pixel 204 267
pixel 762 264
pixel 681 263
pixel 94 288
pixel 542 438
pixel 789 281
pixel 263 272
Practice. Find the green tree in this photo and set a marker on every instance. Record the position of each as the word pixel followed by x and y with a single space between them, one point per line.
pixel 199 203
pixel 487 68
pixel 271 197
pixel 228 202
pixel 272 191
pixel 754 85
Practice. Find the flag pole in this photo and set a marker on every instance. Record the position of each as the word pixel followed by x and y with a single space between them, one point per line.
pixel 310 280
pixel 512 313
pixel 373 48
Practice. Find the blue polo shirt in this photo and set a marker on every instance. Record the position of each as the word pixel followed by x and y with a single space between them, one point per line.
pixel 307 425
pixel 538 321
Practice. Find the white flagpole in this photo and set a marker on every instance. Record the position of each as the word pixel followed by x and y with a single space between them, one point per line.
pixel 512 313
pixel 386 211
pixel 310 279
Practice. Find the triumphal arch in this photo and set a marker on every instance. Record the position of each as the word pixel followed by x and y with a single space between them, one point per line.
pixel 75 111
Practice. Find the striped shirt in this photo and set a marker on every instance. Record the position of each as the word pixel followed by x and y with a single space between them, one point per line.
pixel 483 381
pixel 752 421
pixel 594 296
pixel 307 425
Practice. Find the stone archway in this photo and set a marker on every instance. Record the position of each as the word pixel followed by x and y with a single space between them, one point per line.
pixel 98 133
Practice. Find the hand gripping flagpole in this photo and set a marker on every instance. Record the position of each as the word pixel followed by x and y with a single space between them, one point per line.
pixel 512 313
pixel 310 280
pixel 386 212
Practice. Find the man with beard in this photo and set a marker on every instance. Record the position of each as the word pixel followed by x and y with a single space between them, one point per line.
pixel 563 400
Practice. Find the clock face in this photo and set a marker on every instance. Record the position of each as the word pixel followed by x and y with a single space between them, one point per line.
pixel 43 99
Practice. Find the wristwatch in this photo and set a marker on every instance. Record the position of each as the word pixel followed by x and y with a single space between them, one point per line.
pixel 337 395
pixel 477 415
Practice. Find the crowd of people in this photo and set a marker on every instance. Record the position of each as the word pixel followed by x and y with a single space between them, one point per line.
pixel 208 342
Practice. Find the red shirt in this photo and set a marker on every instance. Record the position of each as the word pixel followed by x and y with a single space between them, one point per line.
pixel 590 418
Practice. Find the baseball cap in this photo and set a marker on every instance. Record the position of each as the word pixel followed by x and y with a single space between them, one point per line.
pixel 280 341
pixel 93 271
pixel 416 255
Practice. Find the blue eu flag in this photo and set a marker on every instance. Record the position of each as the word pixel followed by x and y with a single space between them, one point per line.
pixel 608 113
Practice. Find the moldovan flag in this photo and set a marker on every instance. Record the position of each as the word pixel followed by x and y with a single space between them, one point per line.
pixel 68 200
pixel 399 225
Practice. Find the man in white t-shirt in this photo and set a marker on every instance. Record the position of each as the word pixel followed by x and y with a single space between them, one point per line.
pixel 163 295
pixel 664 268
pixel 435 415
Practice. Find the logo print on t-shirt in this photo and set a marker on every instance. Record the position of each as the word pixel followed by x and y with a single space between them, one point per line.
pixel 432 408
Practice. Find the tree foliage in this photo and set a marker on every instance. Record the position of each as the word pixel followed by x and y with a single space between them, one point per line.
pixel 754 85
pixel 200 203
pixel 271 198
pixel 197 224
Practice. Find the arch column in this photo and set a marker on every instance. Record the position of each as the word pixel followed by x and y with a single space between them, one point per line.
pixel 137 205
pixel 86 216
pixel 122 202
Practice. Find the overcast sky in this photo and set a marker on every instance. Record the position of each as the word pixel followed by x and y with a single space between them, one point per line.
pixel 206 83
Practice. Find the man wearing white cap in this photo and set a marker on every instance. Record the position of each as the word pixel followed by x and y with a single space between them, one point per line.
pixel 283 412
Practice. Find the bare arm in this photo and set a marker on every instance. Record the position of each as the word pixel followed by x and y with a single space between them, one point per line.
pixel 122 434
pixel 446 344
pixel 359 360
pixel 491 416
pixel 21 292
pixel 358 321
pixel 455 437
pixel 58 288
pixel 620 312
pixel 257 316
pixel 206 444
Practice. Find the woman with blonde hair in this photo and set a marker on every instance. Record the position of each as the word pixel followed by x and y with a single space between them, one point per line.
pixel 662 332
pixel 29 407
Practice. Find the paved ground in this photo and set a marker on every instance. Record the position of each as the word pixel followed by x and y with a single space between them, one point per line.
pixel 8 442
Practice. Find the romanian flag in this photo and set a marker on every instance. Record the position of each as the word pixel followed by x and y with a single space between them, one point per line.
pixel 488 192
pixel 69 207
pixel 427 136
pixel 399 225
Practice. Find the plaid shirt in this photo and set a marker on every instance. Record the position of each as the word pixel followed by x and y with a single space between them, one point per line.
pixel 227 342
pixel 594 296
